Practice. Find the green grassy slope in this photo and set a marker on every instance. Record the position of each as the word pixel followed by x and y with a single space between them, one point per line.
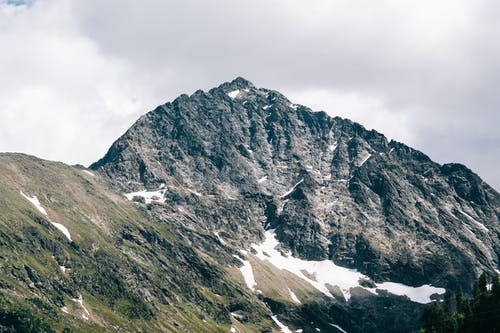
pixel 131 273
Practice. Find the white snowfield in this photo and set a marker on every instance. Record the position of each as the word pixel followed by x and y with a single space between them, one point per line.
pixel 198 194
pixel 364 159
pixel 233 94
pixel 34 200
pixel 292 189
pixel 89 173
pixel 477 223
pixel 62 229
pixel 86 313
pixel 236 315
pixel 321 274
pixel 293 296
pixel 338 327
pixel 247 272
pixel 216 233
pixel 149 196
pixel 283 328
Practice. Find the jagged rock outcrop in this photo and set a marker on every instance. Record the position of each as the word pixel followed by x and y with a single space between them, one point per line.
pixel 331 188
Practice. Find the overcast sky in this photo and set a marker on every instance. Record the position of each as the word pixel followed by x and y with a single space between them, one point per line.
pixel 74 75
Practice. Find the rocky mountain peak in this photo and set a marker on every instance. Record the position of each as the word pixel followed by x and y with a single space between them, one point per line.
pixel 237 83
pixel 330 188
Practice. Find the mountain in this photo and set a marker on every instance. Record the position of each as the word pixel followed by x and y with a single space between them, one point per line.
pixel 237 210
pixel 79 256
pixel 380 207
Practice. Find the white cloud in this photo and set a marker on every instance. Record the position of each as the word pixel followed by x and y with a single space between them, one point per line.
pixel 423 72
pixel 369 111
pixel 60 97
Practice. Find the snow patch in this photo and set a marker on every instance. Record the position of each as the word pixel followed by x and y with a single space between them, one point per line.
pixel 292 189
pixel 417 294
pixel 293 106
pixel 265 107
pixel 332 147
pixel 198 194
pixel 320 274
pixel 35 202
pixel 477 223
pixel 64 309
pixel 283 328
pixel 293 296
pixel 263 179
pixel 233 329
pixel 246 271
pixel 233 94
pixel 338 327
pixel 86 313
pixel 236 315
pixel 364 159
pixel 88 173
pixel 216 233
pixel 322 271
pixel 63 229
pixel 149 196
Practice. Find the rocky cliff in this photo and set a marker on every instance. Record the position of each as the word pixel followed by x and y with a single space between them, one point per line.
pixel 239 159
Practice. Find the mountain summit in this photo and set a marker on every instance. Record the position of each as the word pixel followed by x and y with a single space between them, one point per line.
pixel 237 210
pixel 331 189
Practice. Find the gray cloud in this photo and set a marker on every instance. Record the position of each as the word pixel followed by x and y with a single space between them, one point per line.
pixel 422 72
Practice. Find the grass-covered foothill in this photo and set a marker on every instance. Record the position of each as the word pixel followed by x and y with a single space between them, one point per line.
pixel 122 270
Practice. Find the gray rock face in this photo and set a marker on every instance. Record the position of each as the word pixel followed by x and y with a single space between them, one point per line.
pixel 239 159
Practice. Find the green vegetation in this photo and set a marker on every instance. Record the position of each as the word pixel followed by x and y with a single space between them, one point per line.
pixel 123 270
pixel 16 318
pixel 456 314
